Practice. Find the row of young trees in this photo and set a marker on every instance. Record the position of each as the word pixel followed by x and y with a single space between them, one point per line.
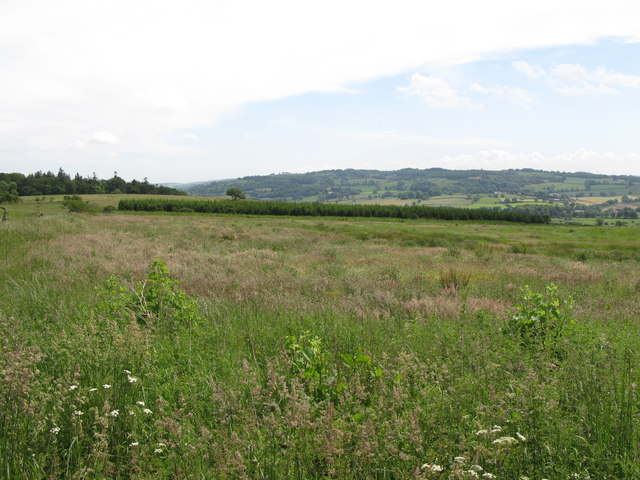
pixel 49 183
pixel 249 207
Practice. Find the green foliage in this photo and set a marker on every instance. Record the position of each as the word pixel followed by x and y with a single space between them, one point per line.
pixel 7 197
pixel 342 185
pixel 310 361
pixel 542 320
pixel 361 363
pixel 50 183
pixel 236 193
pixel 324 377
pixel 156 301
pixel 247 207
pixel 76 204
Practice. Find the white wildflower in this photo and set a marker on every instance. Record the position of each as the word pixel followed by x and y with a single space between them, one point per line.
pixel 106 385
pixel 482 432
pixel 127 372
pixel 459 459
pixel 114 413
pixel 157 450
pixel 504 441
pixel 521 437
pixel 73 387
pixel 134 444
pixel 496 429
pixel 476 468
pixel 132 413
pixel 472 473
pixel 160 444
pixel 433 468
pixel 55 430
pixel 146 410
pixel 93 389
pixel 488 475
pixel 132 379
pixel 78 413
pixel 140 403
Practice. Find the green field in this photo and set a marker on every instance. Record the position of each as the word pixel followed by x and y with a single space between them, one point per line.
pixel 315 348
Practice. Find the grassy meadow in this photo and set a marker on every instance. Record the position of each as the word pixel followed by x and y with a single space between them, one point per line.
pixel 158 346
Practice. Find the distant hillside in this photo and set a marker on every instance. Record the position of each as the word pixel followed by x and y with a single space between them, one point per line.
pixel 341 185
pixel 555 193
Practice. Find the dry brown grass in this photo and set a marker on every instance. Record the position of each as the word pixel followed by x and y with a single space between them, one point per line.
pixel 272 262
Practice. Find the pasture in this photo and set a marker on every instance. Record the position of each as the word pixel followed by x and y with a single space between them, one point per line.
pixel 196 346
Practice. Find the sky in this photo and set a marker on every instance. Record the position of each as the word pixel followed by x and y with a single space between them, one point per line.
pixel 195 90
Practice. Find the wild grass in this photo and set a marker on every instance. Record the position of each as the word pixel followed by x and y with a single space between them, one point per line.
pixel 281 348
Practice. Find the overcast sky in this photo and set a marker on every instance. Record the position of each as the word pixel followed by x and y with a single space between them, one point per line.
pixel 195 90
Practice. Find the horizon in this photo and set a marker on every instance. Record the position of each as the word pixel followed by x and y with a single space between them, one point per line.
pixel 128 179
pixel 243 88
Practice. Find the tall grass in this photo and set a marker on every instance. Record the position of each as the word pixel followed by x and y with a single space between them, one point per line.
pixel 274 348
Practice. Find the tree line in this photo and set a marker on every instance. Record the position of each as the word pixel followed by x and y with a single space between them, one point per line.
pixel 13 185
pixel 255 207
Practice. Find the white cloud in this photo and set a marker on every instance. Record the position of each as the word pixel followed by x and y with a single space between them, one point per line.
pixel 392 137
pixel 148 70
pixel 437 93
pixel 514 95
pixel 531 71
pixel 574 79
pixel 104 137
pixel 190 136
pixel 582 160
pixel 570 79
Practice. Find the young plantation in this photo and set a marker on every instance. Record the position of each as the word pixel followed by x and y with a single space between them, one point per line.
pixel 199 346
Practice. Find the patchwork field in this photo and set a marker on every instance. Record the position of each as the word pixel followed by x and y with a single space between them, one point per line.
pixel 192 346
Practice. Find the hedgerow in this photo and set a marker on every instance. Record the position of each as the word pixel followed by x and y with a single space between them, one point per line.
pixel 252 207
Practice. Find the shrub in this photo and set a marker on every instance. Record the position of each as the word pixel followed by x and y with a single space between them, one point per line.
pixel 542 320
pixel 157 300
pixel 323 376
pixel 310 361
pixel 7 197
pixel 75 204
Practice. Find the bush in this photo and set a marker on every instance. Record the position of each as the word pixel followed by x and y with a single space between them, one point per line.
pixel 542 320
pixel 155 301
pixel 6 197
pixel 75 204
